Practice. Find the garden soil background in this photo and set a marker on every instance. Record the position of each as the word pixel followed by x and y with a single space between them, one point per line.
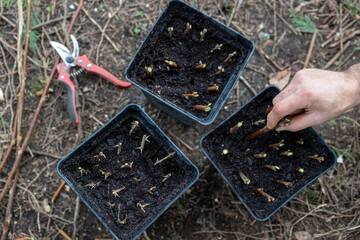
pixel 328 209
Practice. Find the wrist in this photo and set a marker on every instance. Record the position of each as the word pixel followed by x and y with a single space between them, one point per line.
pixel 352 76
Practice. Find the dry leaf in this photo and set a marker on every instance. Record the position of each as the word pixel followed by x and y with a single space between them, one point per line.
pixel 280 79
pixel 302 235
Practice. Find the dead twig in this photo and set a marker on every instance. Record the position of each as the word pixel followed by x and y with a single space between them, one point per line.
pixel 65 235
pixel 247 84
pixel 36 115
pixel 56 194
pixel 308 56
pixel 76 214
pixel 8 216
pixel 50 22
pixel 282 19
pixel 337 55
pixel 101 30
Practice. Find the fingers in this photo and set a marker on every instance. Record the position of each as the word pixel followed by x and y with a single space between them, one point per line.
pixel 287 106
pixel 302 121
pixel 283 94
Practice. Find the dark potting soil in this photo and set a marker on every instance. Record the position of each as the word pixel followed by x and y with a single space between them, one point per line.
pixel 240 157
pixel 137 181
pixel 186 51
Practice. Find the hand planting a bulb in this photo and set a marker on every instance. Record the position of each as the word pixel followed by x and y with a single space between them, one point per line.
pixel 315 96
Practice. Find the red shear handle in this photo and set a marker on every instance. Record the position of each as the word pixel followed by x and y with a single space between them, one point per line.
pixel 84 62
pixel 64 78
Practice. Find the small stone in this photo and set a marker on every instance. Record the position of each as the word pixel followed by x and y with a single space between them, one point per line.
pixel 95 9
pixel 195 38
pixel 72 6
pixel 209 66
pixel 46 205
pixel 111 142
pixel 86 89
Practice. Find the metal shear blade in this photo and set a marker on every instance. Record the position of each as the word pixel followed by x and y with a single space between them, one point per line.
pixel 67 57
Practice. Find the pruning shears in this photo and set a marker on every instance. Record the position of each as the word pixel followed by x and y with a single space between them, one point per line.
pixel 71 60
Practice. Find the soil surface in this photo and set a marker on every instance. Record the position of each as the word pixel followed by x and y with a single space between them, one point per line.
pixel 240 157
pixel 187 52
pixel 130 187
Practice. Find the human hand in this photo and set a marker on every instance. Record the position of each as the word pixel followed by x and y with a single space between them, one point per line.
pixel 315 96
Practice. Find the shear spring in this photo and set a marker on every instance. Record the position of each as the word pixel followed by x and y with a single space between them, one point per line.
pixel 77 72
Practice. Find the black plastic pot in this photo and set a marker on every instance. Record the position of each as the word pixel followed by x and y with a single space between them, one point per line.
pixel 167 84
pixel 240 157
pixel 118 185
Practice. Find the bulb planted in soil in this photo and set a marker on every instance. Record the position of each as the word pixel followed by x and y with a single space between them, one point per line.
pixel 166 177
pixel 111 205
pixel 269 197
pixel 93 185
pixel 137 179
pixel 134 124
pixel 149 72
pixel 116 191
pixel 82 171
pixel 282 123
pixel 224 152
pixel 300 170
pixel 171 32
pixel 300 141
pixel 259 122
pixel 107 174
pixel 200 66
pixel 142 206
pixel 123 221
pixel 278 145
pixel 150 190
pixel 244 178
pixel 142 145
pixel 203 108
pixel 316 157
pixel 127 165
pixel 260 155
pixel 236 127
pixel 217 47
pixel 220 70
pixel 119 146
pixel 163 159
pixel 287 184
pixel 187 95
pixel 202 34
pixel 229 57
pixel 214 88
pixel 272 167
pixel 101 154
pixel 188 28
pixel 287 153
pixel 171 63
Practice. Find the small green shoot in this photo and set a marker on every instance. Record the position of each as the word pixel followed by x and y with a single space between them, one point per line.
pixel 137 30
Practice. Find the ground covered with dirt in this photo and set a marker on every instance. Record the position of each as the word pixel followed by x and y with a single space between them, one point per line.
pixel 109 33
